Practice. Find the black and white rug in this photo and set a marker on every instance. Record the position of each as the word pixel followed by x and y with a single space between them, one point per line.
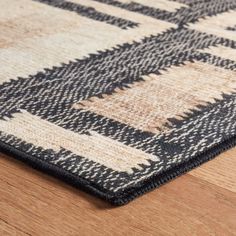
pixel 117 97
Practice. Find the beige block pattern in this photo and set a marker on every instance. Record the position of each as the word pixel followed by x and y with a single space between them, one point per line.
pixel 34 23
pixel 217 25
pixel 221 51
pixel 147 105
pixel 38 36
pixel 159 4
pixel 95 147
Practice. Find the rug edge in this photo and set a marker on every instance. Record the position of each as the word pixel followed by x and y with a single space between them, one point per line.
pixel 128 194
pixel 176 171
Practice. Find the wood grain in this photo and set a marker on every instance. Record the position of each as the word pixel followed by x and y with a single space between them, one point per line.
pixel 202 202
pixel 220 172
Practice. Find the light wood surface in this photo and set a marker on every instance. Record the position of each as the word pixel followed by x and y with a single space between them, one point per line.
pixel 202 202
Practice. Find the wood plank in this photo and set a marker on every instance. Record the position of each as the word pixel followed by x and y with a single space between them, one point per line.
pixel 41 205
pixel 219 171
pixel 7 230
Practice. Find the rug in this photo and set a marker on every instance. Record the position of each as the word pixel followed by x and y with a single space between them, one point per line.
pixel 117 97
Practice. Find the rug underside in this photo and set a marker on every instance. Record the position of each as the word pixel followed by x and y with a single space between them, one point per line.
pixel 117 97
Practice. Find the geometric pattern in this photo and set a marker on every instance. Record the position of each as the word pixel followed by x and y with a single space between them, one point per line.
pixel 117 97
pixel 191 89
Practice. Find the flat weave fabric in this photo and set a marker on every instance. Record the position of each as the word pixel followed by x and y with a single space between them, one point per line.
pixel 117 97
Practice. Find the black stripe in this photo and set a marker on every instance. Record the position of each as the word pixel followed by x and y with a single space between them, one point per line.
pixel 182 16
pixel 233 28
pixel 91 13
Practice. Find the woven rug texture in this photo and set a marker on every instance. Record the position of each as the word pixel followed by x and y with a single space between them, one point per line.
pixel 117 97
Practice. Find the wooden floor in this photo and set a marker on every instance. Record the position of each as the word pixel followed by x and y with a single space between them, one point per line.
pixel 202 202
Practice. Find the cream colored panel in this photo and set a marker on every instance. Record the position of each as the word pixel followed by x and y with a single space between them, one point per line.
pixel 217 25
pixel 159 4
pixel 221 51
pixel 13 9
pixel 96 147
pixel 39 36
pixel 147 105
